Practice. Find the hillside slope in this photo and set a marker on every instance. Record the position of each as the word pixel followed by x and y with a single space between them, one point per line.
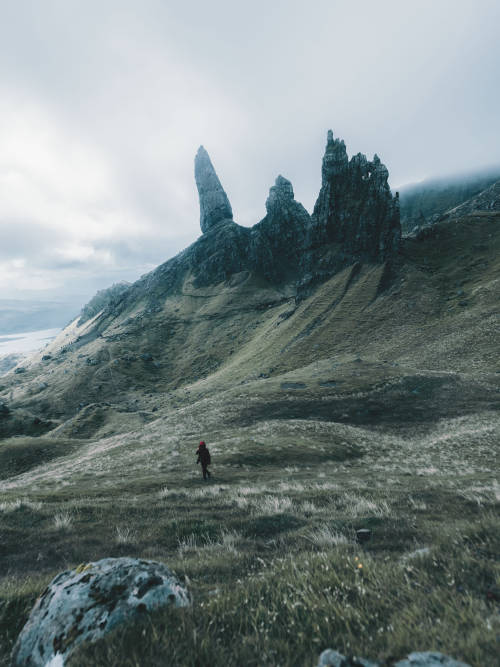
pixel 337 389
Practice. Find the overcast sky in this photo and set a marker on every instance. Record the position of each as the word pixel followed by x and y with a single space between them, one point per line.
pixel 103 104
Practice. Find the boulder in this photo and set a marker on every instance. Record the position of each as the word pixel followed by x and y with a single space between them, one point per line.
pixel 331 658
pixel 83 604
pixel 429 659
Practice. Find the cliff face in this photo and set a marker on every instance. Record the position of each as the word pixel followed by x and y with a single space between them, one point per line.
pixel 355 207
pixel 355 218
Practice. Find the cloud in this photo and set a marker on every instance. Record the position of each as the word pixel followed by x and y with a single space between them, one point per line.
pixel 103 105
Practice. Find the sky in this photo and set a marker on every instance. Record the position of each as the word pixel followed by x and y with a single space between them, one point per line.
pixel 103 104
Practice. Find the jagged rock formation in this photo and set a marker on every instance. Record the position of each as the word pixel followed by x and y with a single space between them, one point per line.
pixel 214 204
pixel 355 207
pixel 279 241
pixel 283 258
pixel 355 212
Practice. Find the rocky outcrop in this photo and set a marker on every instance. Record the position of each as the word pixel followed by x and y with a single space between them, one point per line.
pixel 279 241
pixel 355 219
pixel 355 208
pixel 214 204
pixel 331 658
pixel 86 603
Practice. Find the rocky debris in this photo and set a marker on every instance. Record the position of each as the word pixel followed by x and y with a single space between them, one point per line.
pixel 331 658
pixel 429 659
pixel 84 604
pixel 355 207
pixel 214 204
pixel 4 409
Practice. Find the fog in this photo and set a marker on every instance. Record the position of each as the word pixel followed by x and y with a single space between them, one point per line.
pixel 103 106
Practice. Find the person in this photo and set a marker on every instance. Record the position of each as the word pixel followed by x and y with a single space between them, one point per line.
pixel 204 458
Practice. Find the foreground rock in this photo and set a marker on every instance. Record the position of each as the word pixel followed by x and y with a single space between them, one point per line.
pixel 86 603
pixel 331 658
pixel 429 659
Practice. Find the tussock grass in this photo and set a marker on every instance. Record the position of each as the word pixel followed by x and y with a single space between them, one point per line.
pixel 124 535
pixel 63 520
pixel 326 536
pixel 294 607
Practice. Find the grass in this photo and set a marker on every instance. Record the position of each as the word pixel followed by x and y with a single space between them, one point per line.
pixel 383 415
pixel 290 608
pixel 271 556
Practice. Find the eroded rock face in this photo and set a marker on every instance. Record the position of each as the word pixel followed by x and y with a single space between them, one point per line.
pixel 214 204
pixel 355 207
pixel 84 604
pixel 356 218
pixel 279 241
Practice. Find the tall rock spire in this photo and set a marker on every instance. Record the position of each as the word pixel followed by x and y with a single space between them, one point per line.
pixel 355 207
pixel 214 204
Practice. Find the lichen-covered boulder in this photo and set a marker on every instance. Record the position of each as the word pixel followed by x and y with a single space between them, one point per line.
pixel 331 658
pixel 84 604
pixel 429 659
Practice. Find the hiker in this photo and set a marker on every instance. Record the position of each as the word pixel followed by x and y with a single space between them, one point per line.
pixel 203 458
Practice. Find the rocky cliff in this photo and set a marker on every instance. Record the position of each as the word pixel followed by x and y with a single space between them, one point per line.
pixel 355 218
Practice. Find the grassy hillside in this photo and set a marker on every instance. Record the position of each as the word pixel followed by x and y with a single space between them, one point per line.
pixel 371 401
pixel 423 202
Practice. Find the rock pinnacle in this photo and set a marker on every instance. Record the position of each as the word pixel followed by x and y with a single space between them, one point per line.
pixel 214 204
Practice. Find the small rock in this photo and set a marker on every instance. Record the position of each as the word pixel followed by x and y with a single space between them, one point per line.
pixel 429 659
pixel 83 604
pixel 20 370
pixel 46 357
pixel 363 535
pixel 331 658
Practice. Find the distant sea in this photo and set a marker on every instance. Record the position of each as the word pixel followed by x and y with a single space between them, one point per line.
pixel 21 343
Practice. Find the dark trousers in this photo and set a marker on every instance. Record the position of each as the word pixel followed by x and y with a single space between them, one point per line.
pixel 205 470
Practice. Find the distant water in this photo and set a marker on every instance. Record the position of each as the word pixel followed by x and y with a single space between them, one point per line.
pixel 26 342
